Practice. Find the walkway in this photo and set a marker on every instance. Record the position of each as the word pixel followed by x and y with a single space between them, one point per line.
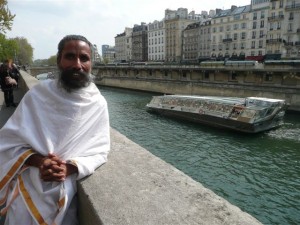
pixel 6 112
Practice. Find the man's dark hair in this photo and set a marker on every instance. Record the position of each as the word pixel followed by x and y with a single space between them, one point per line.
pixel 67 38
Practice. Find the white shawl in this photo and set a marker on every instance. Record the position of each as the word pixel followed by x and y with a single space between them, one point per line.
pixel 74 126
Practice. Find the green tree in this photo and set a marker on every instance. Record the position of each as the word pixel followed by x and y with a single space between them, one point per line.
pixel 52 61
pixel 6 18
pixel 24 52
pixel 8 48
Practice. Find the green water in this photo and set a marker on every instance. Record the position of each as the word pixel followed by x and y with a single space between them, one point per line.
pixel 258 173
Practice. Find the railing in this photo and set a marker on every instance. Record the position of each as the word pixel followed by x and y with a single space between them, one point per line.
pixel 274 41
pixel 292 7
pixel 279 17
pixel 227 40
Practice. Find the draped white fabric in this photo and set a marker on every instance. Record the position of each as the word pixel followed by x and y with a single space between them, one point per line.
pixel 74 126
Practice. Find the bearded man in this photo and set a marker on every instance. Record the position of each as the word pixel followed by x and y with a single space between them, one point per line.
pixel 58 134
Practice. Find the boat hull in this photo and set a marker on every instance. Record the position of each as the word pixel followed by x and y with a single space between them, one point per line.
pixel 219 122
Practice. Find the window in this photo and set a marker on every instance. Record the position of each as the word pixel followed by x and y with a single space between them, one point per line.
pixel 262 24
pixel 243 35
pixel 281 4
pixel 235 35
pixel 254 16
pixel 268 77
pixel 254 25
pixel 290 27
pixel 253 34
pixel 253 44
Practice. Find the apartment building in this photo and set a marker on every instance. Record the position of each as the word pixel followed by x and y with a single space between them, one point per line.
pixel 230 33
pixel 291 36
pixel 175 22
pixel 108 53
pixel 190 42
pixel 140 43
pixel 123 46
pixel 156 41
pixel 259 28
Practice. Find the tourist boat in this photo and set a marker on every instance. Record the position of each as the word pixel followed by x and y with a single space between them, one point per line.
pixel 249 115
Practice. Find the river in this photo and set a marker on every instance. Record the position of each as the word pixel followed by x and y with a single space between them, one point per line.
pixel 258 173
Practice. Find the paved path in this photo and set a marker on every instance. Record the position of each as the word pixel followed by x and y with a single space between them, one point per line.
pixel 6 112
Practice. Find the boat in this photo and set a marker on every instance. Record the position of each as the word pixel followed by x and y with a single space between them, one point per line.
pixel 247 115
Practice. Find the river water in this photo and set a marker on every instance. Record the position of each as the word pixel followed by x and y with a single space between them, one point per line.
pixel 258 173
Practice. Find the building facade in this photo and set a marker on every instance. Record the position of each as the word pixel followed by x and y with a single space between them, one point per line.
pixel 108 53
pixel 140 43
pixel 156 41
pixel 123 46
pixel 264 29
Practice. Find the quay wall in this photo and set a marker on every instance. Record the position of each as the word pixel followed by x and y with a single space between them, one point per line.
pixel 291 95
pixel 135 187
pixel 281 83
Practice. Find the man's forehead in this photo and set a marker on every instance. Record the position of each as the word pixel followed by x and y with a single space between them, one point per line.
pixel 75 45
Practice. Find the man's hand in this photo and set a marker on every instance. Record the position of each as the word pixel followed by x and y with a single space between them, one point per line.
pixel 51 167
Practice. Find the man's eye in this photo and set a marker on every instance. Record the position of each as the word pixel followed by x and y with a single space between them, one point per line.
pixel 85 58
pixel 69 56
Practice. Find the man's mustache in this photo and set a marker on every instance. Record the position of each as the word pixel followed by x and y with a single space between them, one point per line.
pixel 74 79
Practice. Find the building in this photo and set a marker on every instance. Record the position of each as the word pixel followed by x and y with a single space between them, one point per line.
pixel 108 53
pixel 175 22
pixel 230 33
pixel 284 29
pixel 156 41
pixel 123 46
pixel 140 43
pixel 264 29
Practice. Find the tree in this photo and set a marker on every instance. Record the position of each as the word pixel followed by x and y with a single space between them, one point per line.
pixel 6 18
pixel 8 48
pixel 24 52
pixel 52 61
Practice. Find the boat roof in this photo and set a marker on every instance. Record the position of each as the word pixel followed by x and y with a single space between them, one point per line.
pixel 228 100
pixel 232 100
pixel 266 99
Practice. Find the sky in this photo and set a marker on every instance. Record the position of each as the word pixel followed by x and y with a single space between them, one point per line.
pixel 45 22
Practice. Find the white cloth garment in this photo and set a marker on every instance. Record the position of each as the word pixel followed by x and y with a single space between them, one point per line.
pixel 74 126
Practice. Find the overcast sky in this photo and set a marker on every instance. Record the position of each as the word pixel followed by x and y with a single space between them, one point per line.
pixel 44 22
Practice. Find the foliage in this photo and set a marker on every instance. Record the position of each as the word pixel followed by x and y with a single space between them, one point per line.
pixel 24 53
pixel 8 48
pixel 6 18
pixel 40 62
pixel 52 61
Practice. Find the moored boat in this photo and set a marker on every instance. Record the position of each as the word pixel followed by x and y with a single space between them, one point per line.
pixel 249 115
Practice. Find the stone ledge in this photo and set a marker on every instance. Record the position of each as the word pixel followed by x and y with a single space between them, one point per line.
pixel 135 187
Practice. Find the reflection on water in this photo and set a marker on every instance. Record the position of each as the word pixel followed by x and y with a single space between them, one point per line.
pixel 259 173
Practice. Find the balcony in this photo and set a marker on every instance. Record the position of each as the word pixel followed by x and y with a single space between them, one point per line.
pixel 288 43
pixel 279 17
pixel 292 7
pixel 274 41
pixel 226 40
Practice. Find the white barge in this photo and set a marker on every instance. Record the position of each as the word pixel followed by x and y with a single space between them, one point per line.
pixel 249 115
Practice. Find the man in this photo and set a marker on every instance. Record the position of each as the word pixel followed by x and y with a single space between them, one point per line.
pixel 9 75
pixel 58 134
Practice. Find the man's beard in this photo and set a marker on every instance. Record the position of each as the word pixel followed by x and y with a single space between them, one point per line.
pixel 72 80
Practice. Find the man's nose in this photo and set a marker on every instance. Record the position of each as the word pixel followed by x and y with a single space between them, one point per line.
pixel 77 64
